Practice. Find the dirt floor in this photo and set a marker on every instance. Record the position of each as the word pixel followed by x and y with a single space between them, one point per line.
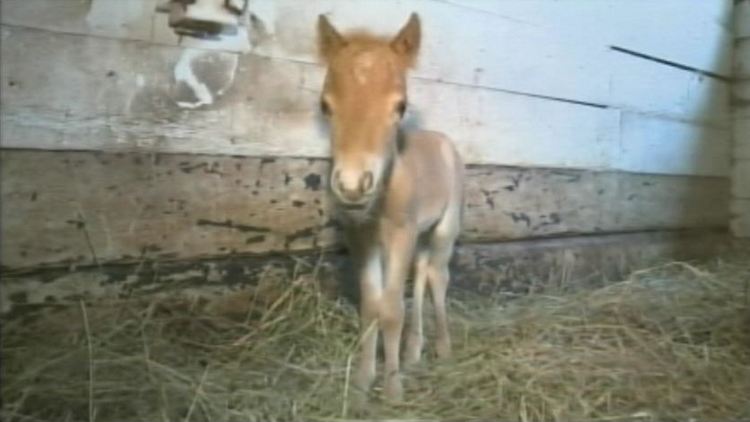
pixel 670 342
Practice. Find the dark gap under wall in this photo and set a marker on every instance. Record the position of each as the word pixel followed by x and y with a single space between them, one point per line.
pixel 511 269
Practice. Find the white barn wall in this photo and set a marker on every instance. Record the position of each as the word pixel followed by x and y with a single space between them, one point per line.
pixel 491 75
pixel 122 143
pixel 695 34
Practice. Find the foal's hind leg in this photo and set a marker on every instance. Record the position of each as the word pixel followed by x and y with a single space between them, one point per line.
pixel 438 275
pixel 415 339
pixel 439 278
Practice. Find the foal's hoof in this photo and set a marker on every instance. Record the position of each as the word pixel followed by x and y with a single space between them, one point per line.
pixel 358 401
pixel 412 354
pixel 443 349
pixel 412 357
pixel 363 378
pixel 393 389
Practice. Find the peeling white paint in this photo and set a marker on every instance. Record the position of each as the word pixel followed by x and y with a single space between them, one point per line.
pixel 231 72
pixel 183 72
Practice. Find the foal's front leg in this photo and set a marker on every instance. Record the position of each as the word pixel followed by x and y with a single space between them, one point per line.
pixel 370 284
pixel 367 259
pixel 398 243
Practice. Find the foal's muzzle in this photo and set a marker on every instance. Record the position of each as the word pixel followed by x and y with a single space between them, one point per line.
pixel 353 189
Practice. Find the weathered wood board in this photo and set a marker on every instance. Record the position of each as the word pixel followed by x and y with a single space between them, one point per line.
pixel 740 202
pixel 742 59
pixel 742 19
pixel 84 208
pixel 741 176
pixel 509 269
pixel 740 217
pixel 741 119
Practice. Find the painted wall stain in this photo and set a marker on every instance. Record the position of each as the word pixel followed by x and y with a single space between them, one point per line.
pixel 231 225
pixel 312 181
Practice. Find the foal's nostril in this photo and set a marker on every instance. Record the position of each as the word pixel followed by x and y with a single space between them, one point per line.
pixel 336 180
pixel 365 184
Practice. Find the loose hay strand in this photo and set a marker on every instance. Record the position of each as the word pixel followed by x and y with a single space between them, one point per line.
pixel 195 396
pixel 90 347
pixel 668 342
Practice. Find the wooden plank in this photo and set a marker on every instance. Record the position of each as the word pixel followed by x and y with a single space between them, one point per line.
pixel 89 207
pixel 742 19
pixel 497 53
pixel 740 202
pixel 741 130
pixel 510 269
pixel 668 202
pixel 742 59
pixel 543 265
pixel 270 107
pixel 124 20
pixel 107 18
pixel 650 144
pixel 648 87
pixel 91 93
pixel 740 221
pixel 499 128
pixel 740 99
pixel 741 178
pixel 68 16
pixel 580 67
pixel 698 34
pixel 127 205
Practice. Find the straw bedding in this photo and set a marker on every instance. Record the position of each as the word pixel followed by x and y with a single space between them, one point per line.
pixel 668 343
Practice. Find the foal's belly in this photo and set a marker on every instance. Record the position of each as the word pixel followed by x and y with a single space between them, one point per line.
pixel 429 214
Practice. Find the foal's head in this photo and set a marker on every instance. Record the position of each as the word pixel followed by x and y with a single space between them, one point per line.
pixel 364 98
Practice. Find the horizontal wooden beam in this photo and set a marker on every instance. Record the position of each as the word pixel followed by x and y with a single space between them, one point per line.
pixel 87 208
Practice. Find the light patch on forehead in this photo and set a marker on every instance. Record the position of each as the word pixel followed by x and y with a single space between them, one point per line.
pixel 363 65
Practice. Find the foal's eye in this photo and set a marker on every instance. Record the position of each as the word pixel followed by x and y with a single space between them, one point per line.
pixel 401 108
pixel 325 108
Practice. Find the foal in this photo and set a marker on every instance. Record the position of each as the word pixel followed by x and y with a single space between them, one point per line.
pixel 398 194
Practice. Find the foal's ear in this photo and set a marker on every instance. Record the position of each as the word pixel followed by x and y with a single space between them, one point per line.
pixel 329 39
pixel 408 40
